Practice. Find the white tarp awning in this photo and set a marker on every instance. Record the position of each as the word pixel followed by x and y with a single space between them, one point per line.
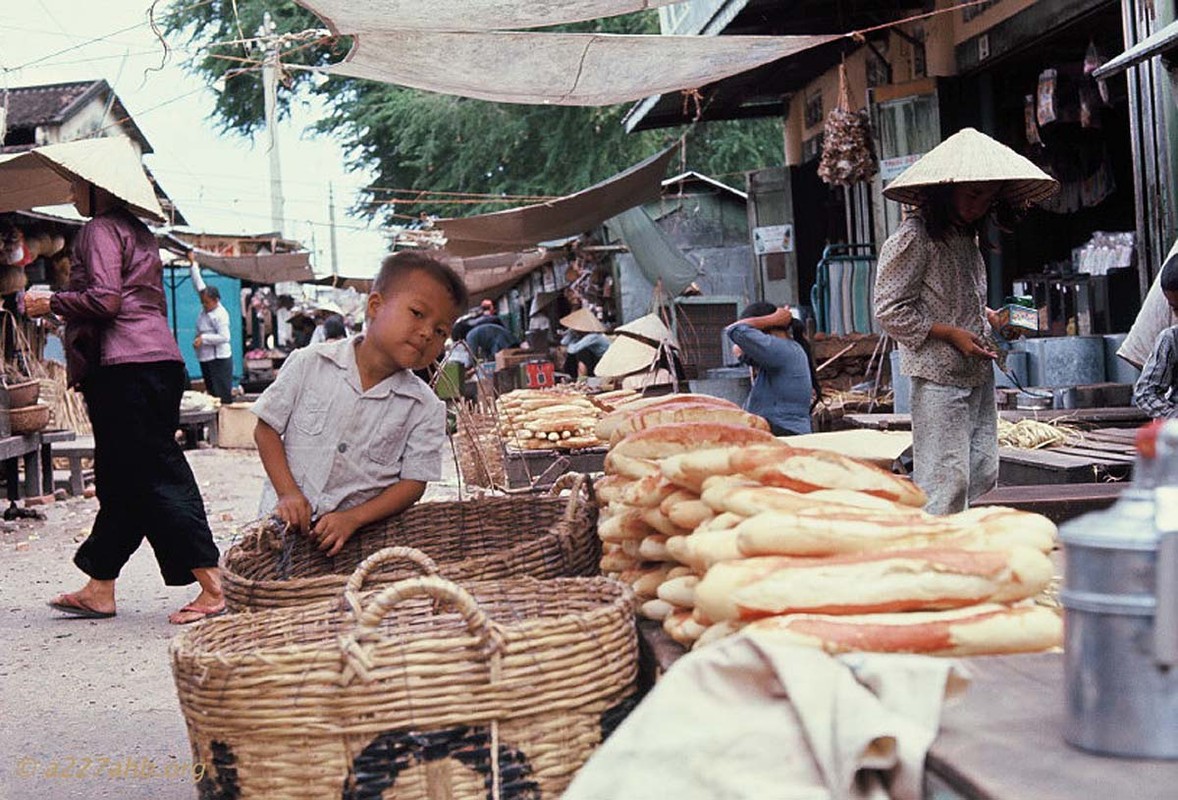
pixel 353 16
pixel 467 48
pixel 570 69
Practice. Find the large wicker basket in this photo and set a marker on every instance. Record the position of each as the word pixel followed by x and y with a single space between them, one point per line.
pixel 29 419
pixel 487 538
pixel 401 696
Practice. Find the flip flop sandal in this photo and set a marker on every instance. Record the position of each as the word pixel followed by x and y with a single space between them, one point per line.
pixel 203 613
pixel 71 604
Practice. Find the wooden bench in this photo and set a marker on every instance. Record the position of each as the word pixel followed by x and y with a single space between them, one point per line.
pixel 74 451
pixel 194 423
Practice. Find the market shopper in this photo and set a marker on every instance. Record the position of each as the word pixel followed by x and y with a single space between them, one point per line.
pixel 585 343
pixel 930 296
pixel 774 344
pixel 347 433
pixel 1156 391
pixel 213 342
pixel 121 355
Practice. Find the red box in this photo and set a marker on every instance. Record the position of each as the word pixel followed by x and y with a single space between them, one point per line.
pixel 537 374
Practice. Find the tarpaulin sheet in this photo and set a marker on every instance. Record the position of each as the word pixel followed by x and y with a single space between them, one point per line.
pixel 347 16
pixel 653 251
pixel 494 274
pixel 572 69
pixel 520 228
pixel 270 268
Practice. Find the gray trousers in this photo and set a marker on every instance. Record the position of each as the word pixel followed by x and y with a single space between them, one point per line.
pixel 954 443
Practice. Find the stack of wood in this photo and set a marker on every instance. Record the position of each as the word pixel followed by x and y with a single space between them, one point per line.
pixel 844 360
pixel 816 548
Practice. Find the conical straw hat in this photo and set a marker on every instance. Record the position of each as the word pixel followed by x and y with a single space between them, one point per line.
pixel 649 329
pixel 582 320
pixel 972 157
pixel 624 356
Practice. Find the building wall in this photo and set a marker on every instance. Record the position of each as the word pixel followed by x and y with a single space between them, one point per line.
pixel 84 124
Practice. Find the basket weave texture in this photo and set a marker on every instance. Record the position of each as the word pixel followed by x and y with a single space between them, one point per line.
pixel 423 690
pixel 28 419
pixel 23 394
pixel 482 539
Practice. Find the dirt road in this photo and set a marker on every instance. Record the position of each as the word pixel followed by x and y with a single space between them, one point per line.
pixel 88 708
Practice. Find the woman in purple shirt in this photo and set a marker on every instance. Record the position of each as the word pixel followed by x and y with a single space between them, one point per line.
pixel 121 355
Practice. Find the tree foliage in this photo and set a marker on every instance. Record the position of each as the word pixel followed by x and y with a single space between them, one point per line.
pixel 426 142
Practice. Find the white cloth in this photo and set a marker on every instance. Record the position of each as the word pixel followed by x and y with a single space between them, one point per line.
pixel 749 718
pixel 1153 318
pixel 283 330
pixel 345 445
pixel 212 326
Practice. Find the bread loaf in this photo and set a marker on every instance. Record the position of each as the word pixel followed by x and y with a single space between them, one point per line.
pixel 609 489
pixel 690 470
pixel 908 580
pixel 628 467
pixel 648 492
pixel 654 548
pixel 627 525
pixel 691 413
pixel 686 511
pixel 657 520
pixel 679 591
pixel 987 629
pixel 656 609
pixel 809 470
pixel 668 440
pixel 607 424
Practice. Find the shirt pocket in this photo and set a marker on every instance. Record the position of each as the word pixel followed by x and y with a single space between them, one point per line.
pixel 387 444
pixel 310 413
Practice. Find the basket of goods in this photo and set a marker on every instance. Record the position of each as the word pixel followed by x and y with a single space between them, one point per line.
pixel 23 393
pixel 490 537
pixel 29 419
pixel 424 689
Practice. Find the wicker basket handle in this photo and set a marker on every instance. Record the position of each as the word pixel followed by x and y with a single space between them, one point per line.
pixel 576 483
pixel 477 622
pixel 385 555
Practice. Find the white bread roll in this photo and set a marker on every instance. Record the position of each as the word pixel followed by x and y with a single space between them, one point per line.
pixel 810 470
pixel 628 467
pixel 618 561
pixel 668 440
pixel 657 520
pixel 693 413
pixel 648 492
pixel 707 548
pixel 609 423
pixel 690 470
pixel 682 628
pixel 654 548
pixel 987 629
pixel 909 580
pixel 657 610
pixel 716 632
pixel 679 571
pixel 645 582
pixel 742 496
pixel 609 489
pixel 624 526
pixel 686 511
pixel 679 591
pixel 842 530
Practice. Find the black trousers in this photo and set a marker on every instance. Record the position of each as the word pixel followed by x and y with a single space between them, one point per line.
pixel 218 378
pixel 144 484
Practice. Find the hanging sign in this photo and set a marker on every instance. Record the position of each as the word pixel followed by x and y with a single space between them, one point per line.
pixel 773 239
pixel 890 168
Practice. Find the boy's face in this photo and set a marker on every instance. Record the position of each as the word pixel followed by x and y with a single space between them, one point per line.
pixel 1172 299
pixel 409 322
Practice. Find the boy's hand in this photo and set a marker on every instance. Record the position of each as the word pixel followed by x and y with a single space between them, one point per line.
pixel 970 345
pixel 295 510
pixel 333 530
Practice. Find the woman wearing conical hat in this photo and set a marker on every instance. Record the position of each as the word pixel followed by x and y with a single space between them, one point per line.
pixel 585 343
pixel 930 296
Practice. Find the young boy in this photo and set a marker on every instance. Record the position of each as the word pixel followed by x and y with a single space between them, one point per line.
pixel 347 433
pixel 1156 392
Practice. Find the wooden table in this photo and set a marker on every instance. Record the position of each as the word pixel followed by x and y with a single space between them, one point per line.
pixel 48 439
pixel 193 422
pixel 1082 417
pixel 1057 502
pixel 1002 740
pixel 26 446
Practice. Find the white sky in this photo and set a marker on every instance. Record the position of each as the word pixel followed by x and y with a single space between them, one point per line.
pixel 219 181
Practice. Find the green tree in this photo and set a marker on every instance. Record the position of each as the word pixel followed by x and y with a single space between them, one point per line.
pixel 427 142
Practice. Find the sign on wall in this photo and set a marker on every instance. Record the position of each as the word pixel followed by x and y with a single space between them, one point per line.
pixel 773 239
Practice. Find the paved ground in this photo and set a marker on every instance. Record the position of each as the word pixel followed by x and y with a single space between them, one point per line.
pixel 87 706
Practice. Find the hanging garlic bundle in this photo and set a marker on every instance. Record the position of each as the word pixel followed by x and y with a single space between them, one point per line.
pixel 847 155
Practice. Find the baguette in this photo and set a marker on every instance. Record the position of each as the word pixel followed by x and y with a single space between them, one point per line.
pixel 690 470
pixel 907 580
pixel 627 525
pixel 987 629
pixel 679 591
pixel 686 511
pixel 607 424
pixel 610 489
pixel 632 468
pixel 657 520
pixel 648 492
pixel 654 548
pixel 808 470
pixel 693 413
pixel 742 496
pixel 657 610
pixel 682 437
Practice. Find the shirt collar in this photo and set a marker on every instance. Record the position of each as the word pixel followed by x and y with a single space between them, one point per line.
pixel 342 353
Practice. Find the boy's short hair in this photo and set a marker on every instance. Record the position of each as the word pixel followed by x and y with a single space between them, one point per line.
pixel 1169 276
pixel 212 291
pixel 396 266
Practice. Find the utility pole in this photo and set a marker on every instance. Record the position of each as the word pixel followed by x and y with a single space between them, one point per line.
pixel 331 222
pixel 270 96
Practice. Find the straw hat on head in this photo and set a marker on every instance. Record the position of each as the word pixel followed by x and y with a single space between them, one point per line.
pixel 649 329
pixel 972 157
pixel 582 320
pixel 624 356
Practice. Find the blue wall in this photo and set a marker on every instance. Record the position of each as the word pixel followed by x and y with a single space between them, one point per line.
pixel 183 313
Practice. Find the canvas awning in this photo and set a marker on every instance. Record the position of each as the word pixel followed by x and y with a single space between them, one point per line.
pixel 467 15
pixel 491 275
pixel 523 228
pixel 56 174
pixel 464 48
pixel 267 268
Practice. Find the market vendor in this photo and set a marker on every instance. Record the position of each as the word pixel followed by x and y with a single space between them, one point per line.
pixel 930 296
pixel 774 343
pixel 585 343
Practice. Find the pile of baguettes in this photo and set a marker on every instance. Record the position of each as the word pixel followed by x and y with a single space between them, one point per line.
pixel 718 525
pixel 560 417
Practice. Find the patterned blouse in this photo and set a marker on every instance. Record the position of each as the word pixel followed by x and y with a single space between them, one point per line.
pixel 922 281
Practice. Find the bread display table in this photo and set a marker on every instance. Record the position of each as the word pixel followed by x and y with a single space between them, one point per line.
pixel 1002 740
pixel 194 423
pixel 526 467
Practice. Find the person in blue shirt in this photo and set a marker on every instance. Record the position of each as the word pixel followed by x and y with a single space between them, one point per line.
pixel 774 344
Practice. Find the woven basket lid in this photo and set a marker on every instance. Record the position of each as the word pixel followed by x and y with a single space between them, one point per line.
pixel 649 329
pixel 972 157
pixel 582 320
pixel 624 356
